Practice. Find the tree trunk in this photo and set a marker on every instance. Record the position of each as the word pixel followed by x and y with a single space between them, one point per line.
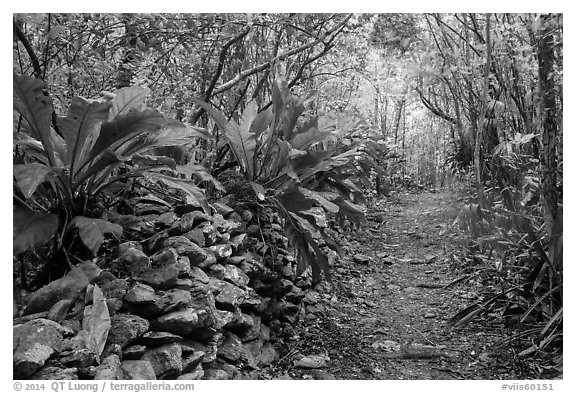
pixel 125 73
pixel 480 130
pixel 548 154
pixel 384 117
pixel 399 107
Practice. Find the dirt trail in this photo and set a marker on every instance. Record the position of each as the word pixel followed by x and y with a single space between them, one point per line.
pixel 385 315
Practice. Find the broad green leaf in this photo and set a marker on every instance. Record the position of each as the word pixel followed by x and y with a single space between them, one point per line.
pixel 199 171
pixel 353 212
pixel 294 109
pixel 92 231
pixel 308 161
pixel 186 185
pixel 317 260
pixel 214 113
pixel 30 176
pixel 60 149
pixel 149 198
pixel 309 230
pixel 125 127
pixel 31 229
pixel 293 200
pixel 81 128
pixel 318 214
pixel 36 109
pixel 280 160
pixel 324 203
pixel 96 322
pixel 327 165
pixel 278 99
pixel 174 134
pixel 261 122
pixel 242 141
pixel 32 147
pixel 99 169
pixel 306 139
pixel 321 263
pixel 151 161
pixel 127 98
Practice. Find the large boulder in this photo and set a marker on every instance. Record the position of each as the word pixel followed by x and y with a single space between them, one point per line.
pixel 164 277
pixel 126 328
pixel 185 322
pixel 69 287
pixel 111 369
pixel 33 343
pixel 138 370
pixel 56 373
pixel 166 360
pixel 186 247
pixel 229 297
pixel 131 263
pixel 231 349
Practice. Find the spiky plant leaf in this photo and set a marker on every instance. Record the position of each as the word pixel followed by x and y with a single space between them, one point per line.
pixel 466 315
pixel 31 229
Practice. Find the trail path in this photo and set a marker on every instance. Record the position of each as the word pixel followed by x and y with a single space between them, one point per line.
pixel 385 315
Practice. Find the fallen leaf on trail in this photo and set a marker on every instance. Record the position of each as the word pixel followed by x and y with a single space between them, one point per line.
pixel 312 361
pixel 387 345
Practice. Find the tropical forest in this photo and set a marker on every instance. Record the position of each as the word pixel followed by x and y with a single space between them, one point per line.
pixel 287 196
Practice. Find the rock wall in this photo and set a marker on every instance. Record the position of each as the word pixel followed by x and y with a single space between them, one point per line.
pixel 188 302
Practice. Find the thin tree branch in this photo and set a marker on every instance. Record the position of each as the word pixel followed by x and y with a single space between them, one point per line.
pixel 438 112
pixel 33 58
pixel 218 72
pixel 244 74
pixel 221 59
pixel 35 65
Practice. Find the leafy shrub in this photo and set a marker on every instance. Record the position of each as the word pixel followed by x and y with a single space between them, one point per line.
pixel 66 179
pixel 299 170
pixel 509 238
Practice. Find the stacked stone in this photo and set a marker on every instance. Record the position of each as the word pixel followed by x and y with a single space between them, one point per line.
pixel 187 303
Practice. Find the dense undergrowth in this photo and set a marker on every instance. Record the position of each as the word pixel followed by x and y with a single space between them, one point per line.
pixel 89 174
